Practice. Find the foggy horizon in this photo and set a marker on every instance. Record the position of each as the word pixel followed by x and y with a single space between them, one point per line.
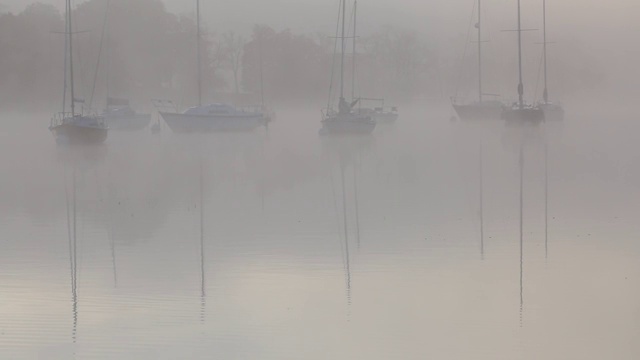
pixel 582 47
pixel 245 189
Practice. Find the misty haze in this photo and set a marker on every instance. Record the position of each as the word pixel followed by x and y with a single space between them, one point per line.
pixel 337 179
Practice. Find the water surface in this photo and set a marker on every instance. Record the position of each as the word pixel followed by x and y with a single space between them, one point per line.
pixel 284 245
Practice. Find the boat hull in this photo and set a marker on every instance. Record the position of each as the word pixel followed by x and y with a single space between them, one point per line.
pixel 128 123
pixel 531 116
pixel 478 112
pixel 347 125
pixel 72 134
pixel 188 123
pixel 552 112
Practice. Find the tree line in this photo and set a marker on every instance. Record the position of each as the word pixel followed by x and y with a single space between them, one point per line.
pixel 148 52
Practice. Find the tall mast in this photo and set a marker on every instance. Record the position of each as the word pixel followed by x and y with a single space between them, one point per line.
pixel 108 63
pixel 261 72
pixel 198 53
pixel 70 33
pixel 545 94
pixel 480 50
pixel 520 85
pixel 66 58
pixel 344 9
pixel 353 72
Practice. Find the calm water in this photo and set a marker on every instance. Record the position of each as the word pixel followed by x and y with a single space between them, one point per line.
pixel 282 245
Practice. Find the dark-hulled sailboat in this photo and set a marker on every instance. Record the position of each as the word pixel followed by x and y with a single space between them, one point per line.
pixel 345 121
pixel 521 113
pixel 71 128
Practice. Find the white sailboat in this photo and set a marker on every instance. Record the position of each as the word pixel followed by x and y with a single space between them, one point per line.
pixel 215 117
pixel 71 128
pixel 345 121
pixel 481 109
pixel 521 113
pixel 552 111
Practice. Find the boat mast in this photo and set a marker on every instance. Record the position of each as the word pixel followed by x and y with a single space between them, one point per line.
pixel 198 53
pixel 108 63
pixel 261 72
pixel 344 8
pixel 520 85
pixel 545 94
pixel 66 54
pixel 70 34
pixel 353 72
pixel 480 50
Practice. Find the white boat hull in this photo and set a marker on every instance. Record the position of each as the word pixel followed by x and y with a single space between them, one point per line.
pixel 192 123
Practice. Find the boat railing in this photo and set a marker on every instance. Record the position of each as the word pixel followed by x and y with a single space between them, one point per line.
pixel 380 108
pixel 328 112
pixel 59 118
pixel 62 117
pixel 164 105
pixel 253 109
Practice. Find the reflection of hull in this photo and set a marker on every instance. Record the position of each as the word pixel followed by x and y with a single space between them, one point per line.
pixel 82 156
pixel 72 134
pixel 552 112
pixel 191 123
pixel 349 124
pixel 128 122
pixel 478 111
pixel 532 116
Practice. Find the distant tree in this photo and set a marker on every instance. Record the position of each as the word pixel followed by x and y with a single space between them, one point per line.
pixel 294 67
pixel 233 49
pixel 402 62
pixel 150 52
pixel 28 52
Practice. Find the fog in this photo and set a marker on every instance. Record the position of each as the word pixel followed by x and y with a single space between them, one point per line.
pixel 592 48
pixel 432 237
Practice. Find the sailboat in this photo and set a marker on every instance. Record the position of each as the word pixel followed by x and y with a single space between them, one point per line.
pixel 345 121
pixel 118 113
pixel 481 109
pixel 552 111
pixel 379 113
pixel 519 112
pixel 70 127
pixel 215 117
